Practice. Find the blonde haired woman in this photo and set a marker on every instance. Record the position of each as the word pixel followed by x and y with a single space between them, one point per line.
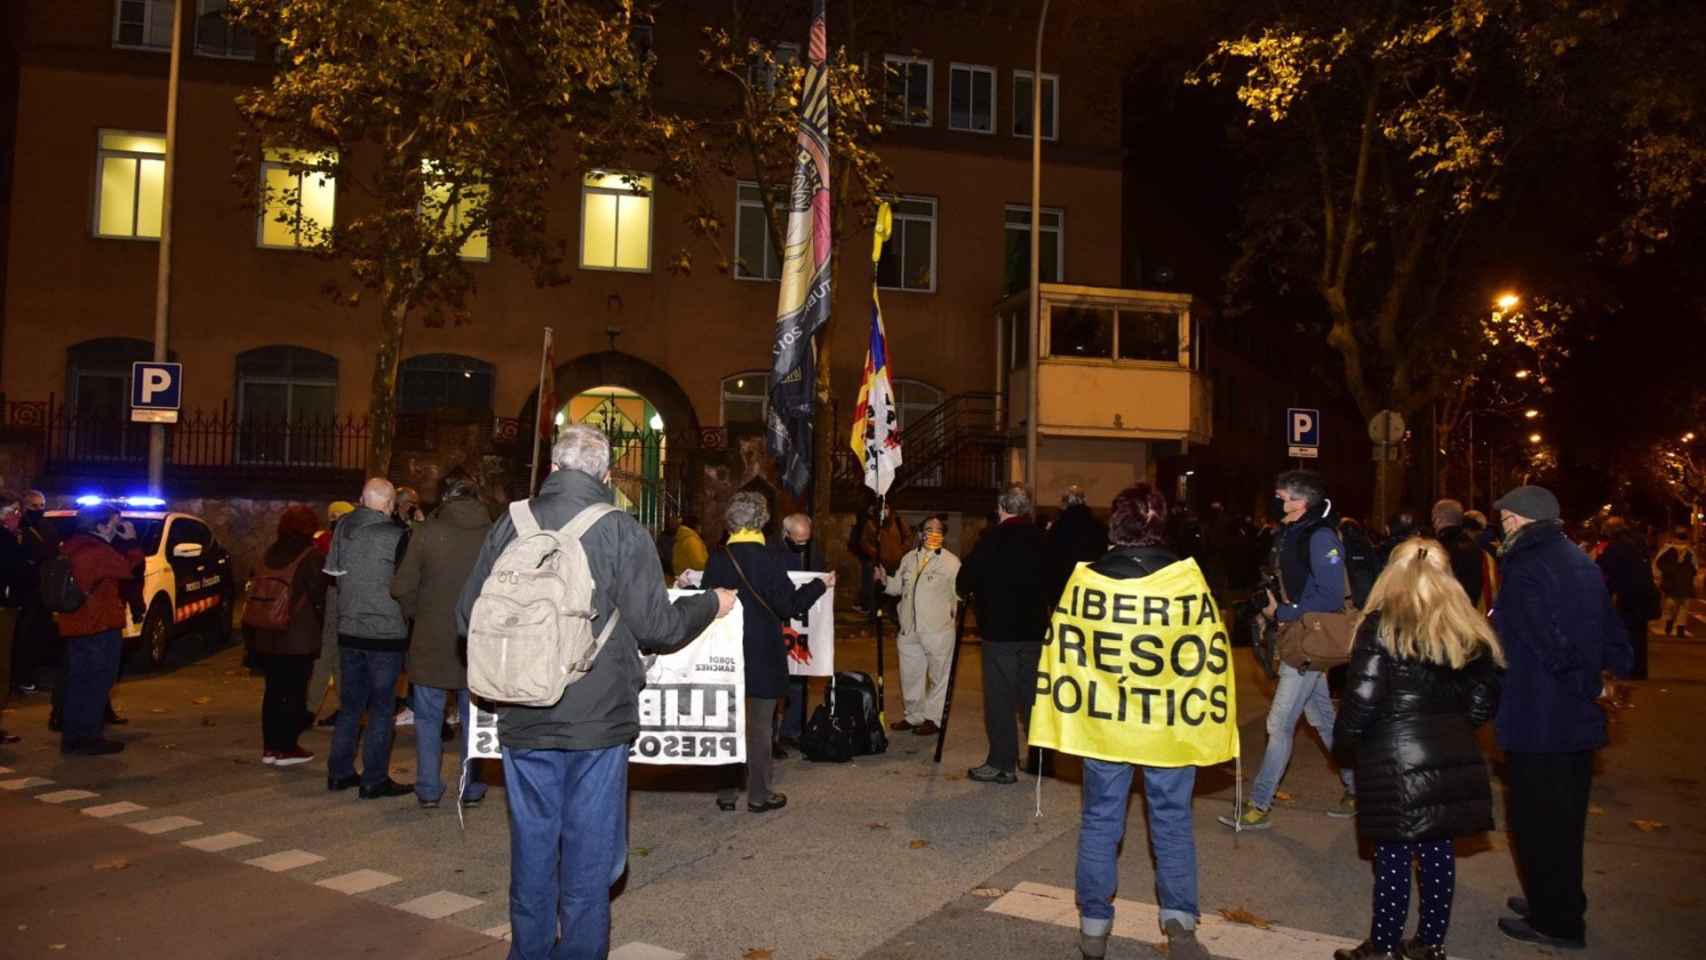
pixel 1423 675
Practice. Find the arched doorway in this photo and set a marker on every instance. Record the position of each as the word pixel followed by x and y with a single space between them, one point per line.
pixel 644 412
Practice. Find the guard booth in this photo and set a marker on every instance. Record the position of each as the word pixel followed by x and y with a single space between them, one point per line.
pixel 1119 384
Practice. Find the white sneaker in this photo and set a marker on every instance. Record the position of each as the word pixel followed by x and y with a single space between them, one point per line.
pixel 406 718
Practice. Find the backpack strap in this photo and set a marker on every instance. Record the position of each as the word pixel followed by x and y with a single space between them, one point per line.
pixel 584 520
pixel 521 515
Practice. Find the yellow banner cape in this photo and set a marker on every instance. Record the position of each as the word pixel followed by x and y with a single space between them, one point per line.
pixel 1138 671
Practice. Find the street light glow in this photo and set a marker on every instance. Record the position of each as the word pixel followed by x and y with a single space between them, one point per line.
pixel 1688 438
pixel 1534 438
pixel 1507 301
pixel 1531 413
pixel 1522 374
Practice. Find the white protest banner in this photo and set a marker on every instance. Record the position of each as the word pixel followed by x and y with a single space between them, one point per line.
pixel 811 639
pixel 692 710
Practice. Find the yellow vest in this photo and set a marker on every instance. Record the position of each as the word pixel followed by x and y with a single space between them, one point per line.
pixel 1138 671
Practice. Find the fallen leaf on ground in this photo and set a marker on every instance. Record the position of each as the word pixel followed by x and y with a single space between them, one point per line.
pixel 919 844
pixel 158 710
pixel 755 953
pixel 202 701
pixel 1282 796
pixel 1596 809
pixel 1647 826
pixel 118 863
pixel 56 946
pixel 990 892
pixel 954 776
pixel 1241 915
pixel 875 825
pixel 642 851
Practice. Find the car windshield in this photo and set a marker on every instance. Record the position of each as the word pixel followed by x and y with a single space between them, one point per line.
pixel 147 530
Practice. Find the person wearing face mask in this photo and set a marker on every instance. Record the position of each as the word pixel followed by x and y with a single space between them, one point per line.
pixel 924 582
pixel 797 552
pixel 1561 636
pixel 105 561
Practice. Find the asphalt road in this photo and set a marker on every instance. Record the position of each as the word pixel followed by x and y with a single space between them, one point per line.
pixel 889 857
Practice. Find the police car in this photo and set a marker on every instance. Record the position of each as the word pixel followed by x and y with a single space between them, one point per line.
pixel 187 579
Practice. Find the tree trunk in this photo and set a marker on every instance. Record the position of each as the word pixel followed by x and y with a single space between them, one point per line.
pixel 382 405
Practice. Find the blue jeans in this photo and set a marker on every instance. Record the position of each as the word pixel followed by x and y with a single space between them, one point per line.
pixel 91 668
pixel 1299 694
pixel 1168 793
pixel 568 844
pixel 428 703
pixel 367 683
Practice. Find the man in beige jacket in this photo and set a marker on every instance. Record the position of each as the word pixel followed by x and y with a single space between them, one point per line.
pixel 924 582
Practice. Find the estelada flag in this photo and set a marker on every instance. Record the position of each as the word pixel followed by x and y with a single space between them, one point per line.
pixel 876 430
pixel 1138 671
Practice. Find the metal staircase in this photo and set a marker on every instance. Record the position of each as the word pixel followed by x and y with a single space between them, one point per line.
pixel 952 459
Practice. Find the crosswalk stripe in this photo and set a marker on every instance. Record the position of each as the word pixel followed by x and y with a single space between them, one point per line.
pixel 1136 920
pixel 500 932
pixel 359 881
pixel 437 906
pixel 221 841
pixel 163 825
pixel 25 783
pixel 65 796
pixel 644 951
pixel 118 809
pixel 285 860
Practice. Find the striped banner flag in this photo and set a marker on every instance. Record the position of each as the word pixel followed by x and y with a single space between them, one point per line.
pixel 876 433
pixel 803 305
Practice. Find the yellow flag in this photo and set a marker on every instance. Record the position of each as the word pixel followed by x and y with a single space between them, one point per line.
pixel 1138 671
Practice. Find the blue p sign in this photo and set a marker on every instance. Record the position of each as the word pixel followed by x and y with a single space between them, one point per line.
pixel 156 386
pixel 1302 431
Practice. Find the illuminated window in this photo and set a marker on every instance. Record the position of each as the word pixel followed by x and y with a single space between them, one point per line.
pixel 616 222
pixel 1022 104
pixel 470 201
pixel 217 36
pixel 971 98
pixel 909 257
pixel 755 254
pixel 143 24
pixel 909 90
pixel 746 397
pixel 130 183
pixel 298 199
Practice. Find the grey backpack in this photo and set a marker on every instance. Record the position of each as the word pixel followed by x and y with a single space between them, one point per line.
pixel 530 635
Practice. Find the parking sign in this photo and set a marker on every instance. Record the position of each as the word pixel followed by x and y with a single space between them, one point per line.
pixel 155 389
pixel 1303 432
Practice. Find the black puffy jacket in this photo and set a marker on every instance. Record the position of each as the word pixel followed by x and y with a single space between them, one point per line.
pixel 1410 727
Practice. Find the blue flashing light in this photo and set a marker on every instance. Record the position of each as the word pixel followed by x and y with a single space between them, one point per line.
pixel 144 501
pixel 91 500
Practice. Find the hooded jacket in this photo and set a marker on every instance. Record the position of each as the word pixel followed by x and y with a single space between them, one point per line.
pixel 1410 727
pixel 428 584
pixel 601 709
pixel 1559 631
pixel 366 548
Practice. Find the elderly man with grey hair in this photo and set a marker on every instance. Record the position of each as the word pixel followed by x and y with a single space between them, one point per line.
pixel 1005 576
pixel 566 765
pixel 373 638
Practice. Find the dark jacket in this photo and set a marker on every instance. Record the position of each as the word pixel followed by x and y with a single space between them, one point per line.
pixel 1465 555
pixel 808 560
pixel 307 597
pixel 15 570
pixel 763 613
pixel 1559 631
pixel 1076 537
pixel 1006 579
pixel 601 709
pixel 1410 727
pixel 1629 576
pixel 366 548
pixel 1313 575
pixel 107 574
pixel 428 584
pixel 1134 563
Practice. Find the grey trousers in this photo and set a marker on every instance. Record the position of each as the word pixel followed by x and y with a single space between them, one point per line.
pixel 326 665
pixel 760 717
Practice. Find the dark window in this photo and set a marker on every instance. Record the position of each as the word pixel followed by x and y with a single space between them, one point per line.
pixel 909 257
pixel 188 531
pixel 444 381
pixel 287 402
pixel 1017 234
pixel 746 397
pixel 1149 335
pixel 1081 331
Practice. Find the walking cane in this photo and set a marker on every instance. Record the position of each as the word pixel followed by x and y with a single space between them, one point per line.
pixel 953 670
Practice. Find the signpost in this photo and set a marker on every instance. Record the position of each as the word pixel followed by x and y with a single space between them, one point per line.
pixel 156 391
pixel 1303 432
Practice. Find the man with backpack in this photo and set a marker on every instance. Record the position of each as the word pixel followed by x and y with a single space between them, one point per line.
pixel 1310 562
pixel 373 637
pixel 566 760
pixel 1676 568
pixel 89 585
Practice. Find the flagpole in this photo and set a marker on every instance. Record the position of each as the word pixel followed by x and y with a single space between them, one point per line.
pixel 538 416
pixel 1031 391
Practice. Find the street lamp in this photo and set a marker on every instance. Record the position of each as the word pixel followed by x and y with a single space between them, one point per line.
pixel 1688 438
pixel 1522 374
pixel 1531 413
pixel 1534 438
pixel 1507 301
